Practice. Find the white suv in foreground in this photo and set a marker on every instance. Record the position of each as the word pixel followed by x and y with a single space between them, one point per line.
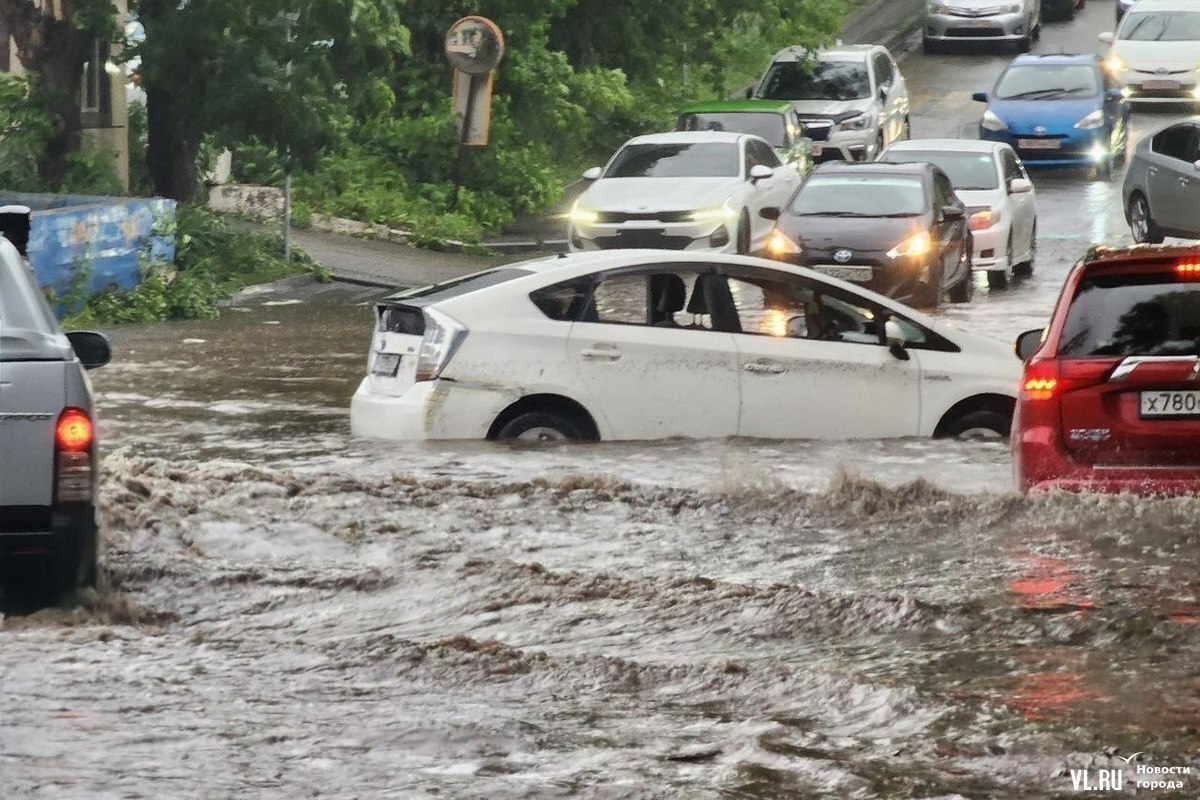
pixel 852 99
pixel 643 344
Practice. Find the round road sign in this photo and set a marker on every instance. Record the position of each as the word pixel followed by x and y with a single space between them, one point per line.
pixel 474 45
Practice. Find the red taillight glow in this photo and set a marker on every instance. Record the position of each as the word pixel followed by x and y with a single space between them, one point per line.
pixel 74 432
pixel 982 220
pixel 1188 269
pixel 1040 388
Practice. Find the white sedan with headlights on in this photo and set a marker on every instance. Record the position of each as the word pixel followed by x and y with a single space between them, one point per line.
pixel 698 190
pixel 646 344
pixel 1001 200
pixel 1155 52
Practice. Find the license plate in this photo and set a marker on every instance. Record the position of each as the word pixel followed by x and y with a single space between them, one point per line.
pixel 385 364
pixel 1160 86
pixel 1039 144
pixel 1170 404
pixel 817 150
pixel 859 274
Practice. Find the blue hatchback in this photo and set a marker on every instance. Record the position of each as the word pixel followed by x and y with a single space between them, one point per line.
pixel 1060 111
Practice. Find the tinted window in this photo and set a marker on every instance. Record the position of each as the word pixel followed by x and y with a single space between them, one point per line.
pixel 863 196
pixel 1161 26
pixel 673 299
pixel 883 70
pixel 1047 82
pixel 762 154
pixel 1124 316
pixel 766 125
pixel 826 80
pixel 563 301
pixel 1181 142
pixel 459 286
pixel 966 170
pixel 795 308
pixel 708 160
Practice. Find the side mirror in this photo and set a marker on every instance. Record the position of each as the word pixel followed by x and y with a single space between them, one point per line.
pixel 770 212
pixel 1106 37
pixel 91 348
pixel 759 172
pixel 593 174
pixel 1028 343
pixel 951 213
pixel 884 91
pixel 980 97
pixel 1020 186
pixel 895 339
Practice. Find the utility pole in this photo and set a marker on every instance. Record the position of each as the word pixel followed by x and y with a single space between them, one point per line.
pixel 288 21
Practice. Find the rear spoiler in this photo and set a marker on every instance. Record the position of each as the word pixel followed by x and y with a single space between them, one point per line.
pixel 15 222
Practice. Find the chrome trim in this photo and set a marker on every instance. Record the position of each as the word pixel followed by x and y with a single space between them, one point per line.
pixel 1126 367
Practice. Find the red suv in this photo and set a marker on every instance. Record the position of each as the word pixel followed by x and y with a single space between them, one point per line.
pixel 1110 400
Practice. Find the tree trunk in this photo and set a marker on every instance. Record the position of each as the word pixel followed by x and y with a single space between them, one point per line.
pixel 172 144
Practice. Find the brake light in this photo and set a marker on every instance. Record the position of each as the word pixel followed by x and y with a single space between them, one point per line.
pixel 1188 269
pixel 1040 388
pixel 74 432
pixel 442 338
pixel 1042 381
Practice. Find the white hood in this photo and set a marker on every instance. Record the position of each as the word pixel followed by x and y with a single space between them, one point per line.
pixel 637 195
pixel 980 198
pixel 1151 55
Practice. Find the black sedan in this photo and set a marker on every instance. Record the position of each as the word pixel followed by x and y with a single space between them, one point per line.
pixel 897 229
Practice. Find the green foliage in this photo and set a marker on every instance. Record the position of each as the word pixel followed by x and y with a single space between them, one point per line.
pixel 24 131
pixel 140 183
pixel 91 172
pixel 213 259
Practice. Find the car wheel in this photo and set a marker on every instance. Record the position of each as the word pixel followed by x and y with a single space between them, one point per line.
pixel 1141 223
pixel 964 290
pixel 542 426
pixel 1025 43
pixel 73 559
pixel 981 425
pixel 1025 268
pixel 743 235
pixel 930 46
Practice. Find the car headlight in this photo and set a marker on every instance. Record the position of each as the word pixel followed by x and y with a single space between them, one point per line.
pixel 912 247
pixel 582 216
pixel 714 214
pixel 982 220
pixel 780 245
pixel 857 123
pixel 1114 64
pixel 1092 121
pixel 992 122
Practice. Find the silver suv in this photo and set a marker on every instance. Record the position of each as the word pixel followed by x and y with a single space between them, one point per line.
pixel 47 433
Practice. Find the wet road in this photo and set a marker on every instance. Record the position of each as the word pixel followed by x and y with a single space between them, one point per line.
pixel 293 613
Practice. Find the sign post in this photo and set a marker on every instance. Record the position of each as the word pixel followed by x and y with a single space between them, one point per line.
pixel 474 46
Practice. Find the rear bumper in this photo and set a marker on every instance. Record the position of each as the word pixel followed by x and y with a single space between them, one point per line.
pixel 31 531
pixel 428 410
pixel 1040 464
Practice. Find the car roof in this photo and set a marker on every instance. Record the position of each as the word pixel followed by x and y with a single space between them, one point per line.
pixel 1053 59
pixel 950 145
pixel 691 137
pixel 738 106
pixel 840 52
pixel 1166 5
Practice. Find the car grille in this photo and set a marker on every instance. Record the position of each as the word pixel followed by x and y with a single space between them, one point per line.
pixel 652 239
pixel 976 12
pixel 1182 93
pixel 616 217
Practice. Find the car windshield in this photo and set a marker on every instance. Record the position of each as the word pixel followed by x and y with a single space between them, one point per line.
pixel 860 196
pixel 1048 82
pixel 1161 26
pixel 1119 316
pixel 967 171
pixel 824 80
pixel 764 124
pixel 676 160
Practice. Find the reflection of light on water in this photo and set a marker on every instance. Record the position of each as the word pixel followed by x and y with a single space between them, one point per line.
pixel 1098 197
pixel 1041 695
pixel 775 322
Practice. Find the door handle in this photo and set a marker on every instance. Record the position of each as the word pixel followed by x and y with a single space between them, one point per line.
pixel 601 353
pixel 764 368
pixel 1152 170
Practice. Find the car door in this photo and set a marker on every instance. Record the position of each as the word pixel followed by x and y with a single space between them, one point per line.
pixel 893 96
pixel 648 358
pixel 812 363
pixel 949 234
pixel 773 191
pixel 1023 205
pixel 1168 176
pixel 1183 186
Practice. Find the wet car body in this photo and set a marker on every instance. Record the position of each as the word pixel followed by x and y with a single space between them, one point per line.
pixel 774 121
pixel 1162 185
pixel 1070 114
pixel 642 345
pixel 981 22
pixel 864 246
pixel 1110 399
pixel 47 445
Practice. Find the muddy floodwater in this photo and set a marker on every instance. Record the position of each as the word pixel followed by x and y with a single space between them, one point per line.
pixel 293 613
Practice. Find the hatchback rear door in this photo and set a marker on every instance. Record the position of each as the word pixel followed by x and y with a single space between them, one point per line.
pixel 1130 367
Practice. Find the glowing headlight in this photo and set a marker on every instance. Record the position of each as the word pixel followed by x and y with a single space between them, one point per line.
pixel 780 244
pixel 912 247
pixel 714 214
pixel 1114 64
pixel 858 123
pixel 993 123
pixel 582 216
pixel 1092 121
pixel 1098 153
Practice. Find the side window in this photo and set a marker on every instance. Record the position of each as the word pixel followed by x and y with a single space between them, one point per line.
pixel 943 194
pixel 763 154
pixel 1172 142
pixel 563 301
pixel 883 71
pixel 785 306
pixel 662 299
pixel 1191 151
pixel 1012 170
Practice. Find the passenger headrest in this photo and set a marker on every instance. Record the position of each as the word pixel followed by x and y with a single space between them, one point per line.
pixel 668 293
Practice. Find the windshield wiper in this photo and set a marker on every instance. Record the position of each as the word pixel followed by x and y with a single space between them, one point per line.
pixel 833 214
pixel 1034 93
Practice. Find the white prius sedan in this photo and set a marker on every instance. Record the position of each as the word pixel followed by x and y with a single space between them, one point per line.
pixel 1001 200
pixel 646 344
pixel 700 190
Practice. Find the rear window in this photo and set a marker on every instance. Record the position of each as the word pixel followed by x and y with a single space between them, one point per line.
pixel 438 292
pixel 1126 315
pixel 676 160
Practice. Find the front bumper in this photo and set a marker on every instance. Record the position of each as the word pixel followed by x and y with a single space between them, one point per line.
pixel 1055 148
pixel 991 249
pixel 1041 464
pixel 716 237
pixel 996 28
pixel 1152 88
pixel 830 143
pixel 901 279
pixel 439 409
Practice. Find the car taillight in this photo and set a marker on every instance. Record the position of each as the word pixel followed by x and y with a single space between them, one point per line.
pixel 982 220
pixel 443 336
pixel 73 438
pixel 1189 270
pixel 1041 381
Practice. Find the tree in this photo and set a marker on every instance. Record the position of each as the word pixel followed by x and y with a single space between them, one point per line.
pixel 55 48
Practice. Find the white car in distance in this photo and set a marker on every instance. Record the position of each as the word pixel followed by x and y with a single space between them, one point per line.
pixel 1155 52
pixel 644 344
pixel 700 190
pixel 1001 200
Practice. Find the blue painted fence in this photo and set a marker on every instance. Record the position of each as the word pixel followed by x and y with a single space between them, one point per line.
pixel 105 235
